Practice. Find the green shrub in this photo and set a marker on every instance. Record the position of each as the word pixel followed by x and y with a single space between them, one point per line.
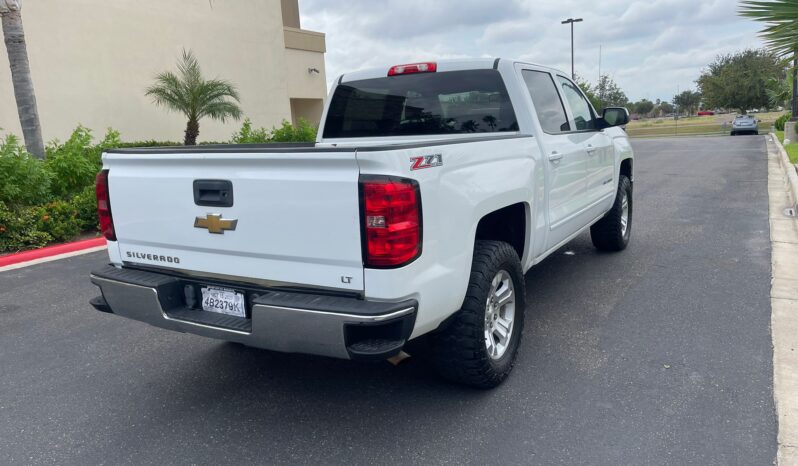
pixel 249 135
pixel 19 230
pixel 150 143
pixel 85 206
pixel 23 179
pixel 59 219
pixel 303 132
pixel 781 121
pixel 74 164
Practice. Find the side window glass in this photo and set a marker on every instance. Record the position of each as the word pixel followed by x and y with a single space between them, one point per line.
pixel 548 106
pixel 583 116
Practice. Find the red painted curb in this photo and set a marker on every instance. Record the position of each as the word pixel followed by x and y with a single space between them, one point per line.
pixel 49 251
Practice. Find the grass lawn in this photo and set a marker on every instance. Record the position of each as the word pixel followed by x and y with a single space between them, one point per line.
pixel 705 125
pixel 792 151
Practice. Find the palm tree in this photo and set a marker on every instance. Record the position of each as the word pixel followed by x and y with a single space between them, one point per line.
pixel 190 94
pixel 780 32
pixel 14 34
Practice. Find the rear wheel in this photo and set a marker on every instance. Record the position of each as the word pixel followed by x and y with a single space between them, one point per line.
pixel 612 232
pixel 479 346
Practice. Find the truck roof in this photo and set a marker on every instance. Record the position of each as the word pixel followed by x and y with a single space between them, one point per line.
pixel 449 64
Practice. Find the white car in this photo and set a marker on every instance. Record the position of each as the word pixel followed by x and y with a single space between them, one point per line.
pixel 431 190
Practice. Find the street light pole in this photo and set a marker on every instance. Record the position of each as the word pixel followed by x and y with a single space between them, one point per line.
pixel 571 21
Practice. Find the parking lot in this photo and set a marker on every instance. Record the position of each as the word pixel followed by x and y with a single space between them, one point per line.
pixel 658 355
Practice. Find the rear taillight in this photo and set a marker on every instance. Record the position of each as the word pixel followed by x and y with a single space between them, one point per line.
pixel 104 207
pixel 391 221
pixel 413 68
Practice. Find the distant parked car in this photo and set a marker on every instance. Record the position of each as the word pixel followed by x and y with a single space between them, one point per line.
pixel 744 124
pixel 705 113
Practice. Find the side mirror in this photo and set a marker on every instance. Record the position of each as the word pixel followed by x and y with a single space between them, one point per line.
pixel 615 116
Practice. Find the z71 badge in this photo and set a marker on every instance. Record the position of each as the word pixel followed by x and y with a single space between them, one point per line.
pixel 426 161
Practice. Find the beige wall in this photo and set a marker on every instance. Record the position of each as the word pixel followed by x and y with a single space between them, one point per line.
pixel 91 61
pixel 290 13
pixel 309 109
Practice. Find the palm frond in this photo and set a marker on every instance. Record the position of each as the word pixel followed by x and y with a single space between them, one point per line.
pixel 781 23
pixel 222 110
pixel 189 93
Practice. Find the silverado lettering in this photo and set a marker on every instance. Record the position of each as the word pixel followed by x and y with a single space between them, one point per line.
pixel 153 257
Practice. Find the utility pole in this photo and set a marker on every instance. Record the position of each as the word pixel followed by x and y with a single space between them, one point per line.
pixel 678 89
pixel 571 21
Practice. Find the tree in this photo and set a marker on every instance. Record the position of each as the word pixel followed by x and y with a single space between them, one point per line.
pixel 688 100
pixel 644 107
pixel 14 34
pixel 190 94
pixel 665 108
pixel 739 80
pixel 781 33
pixel 589 91
pixel 609 94
pixel 779 91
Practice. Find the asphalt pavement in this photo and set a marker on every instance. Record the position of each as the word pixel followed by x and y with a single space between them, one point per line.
pixel 657 355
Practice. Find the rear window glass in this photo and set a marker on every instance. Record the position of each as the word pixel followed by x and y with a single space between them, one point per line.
pixel 474 101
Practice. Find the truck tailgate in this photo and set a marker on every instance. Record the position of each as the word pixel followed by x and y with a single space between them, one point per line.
pixel 296 215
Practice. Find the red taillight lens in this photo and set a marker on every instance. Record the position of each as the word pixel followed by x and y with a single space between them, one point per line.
pixel 391 210
pixel 104 207
pixel 413 68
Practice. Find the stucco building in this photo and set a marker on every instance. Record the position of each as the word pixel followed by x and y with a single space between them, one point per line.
pixel 91 61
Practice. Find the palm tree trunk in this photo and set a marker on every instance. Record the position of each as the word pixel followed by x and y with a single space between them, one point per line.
pixel 795 88
pixel 23 84
pixel 192 131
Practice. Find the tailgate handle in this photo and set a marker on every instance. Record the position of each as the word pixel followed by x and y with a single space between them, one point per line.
pixel 213 193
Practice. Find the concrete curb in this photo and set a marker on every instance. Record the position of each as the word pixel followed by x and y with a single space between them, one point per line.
pixel 790 169
pixel 51 253
pixel 784 299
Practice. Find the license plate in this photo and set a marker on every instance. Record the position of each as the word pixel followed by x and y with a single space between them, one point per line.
pixel 223 301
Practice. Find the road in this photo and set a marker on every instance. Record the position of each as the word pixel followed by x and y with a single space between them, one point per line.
pixel 658 355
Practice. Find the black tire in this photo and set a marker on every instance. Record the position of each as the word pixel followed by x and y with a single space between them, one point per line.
pixel 460 351
pixel 608 234
pixel 733 133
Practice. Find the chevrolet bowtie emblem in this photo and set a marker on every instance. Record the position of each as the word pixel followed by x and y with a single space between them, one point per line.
pixel 215 224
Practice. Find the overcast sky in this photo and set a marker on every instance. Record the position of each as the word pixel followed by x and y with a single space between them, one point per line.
pixel 649 47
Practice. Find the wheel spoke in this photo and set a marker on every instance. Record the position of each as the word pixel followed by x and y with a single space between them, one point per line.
pixel 502 332
pixel 504 296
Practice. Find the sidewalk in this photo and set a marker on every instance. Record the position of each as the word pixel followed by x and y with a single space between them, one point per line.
pixel 784 304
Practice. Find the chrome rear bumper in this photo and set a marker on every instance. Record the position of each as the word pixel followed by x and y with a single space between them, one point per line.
pixel 340 327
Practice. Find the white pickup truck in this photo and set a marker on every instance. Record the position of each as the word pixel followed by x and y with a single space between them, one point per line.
pixel 431 189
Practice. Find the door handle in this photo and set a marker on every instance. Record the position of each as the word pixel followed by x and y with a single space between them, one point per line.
pixel 590 149
pixel 555 157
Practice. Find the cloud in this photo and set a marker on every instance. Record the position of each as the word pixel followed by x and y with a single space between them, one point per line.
pixel 650 47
